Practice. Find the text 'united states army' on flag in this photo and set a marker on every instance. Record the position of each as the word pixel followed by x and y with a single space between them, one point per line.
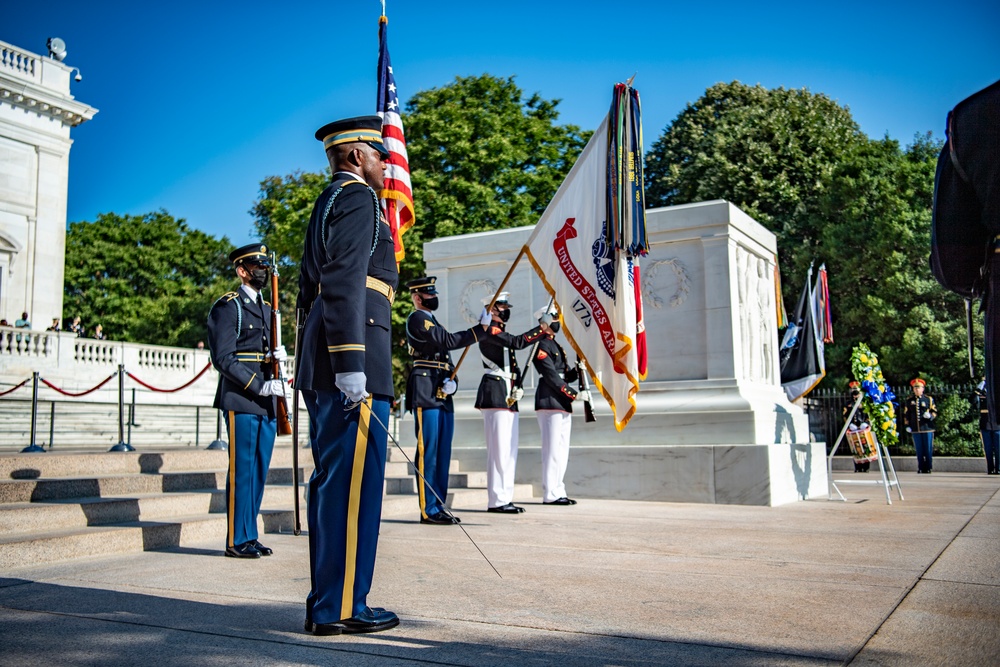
pixel 397 193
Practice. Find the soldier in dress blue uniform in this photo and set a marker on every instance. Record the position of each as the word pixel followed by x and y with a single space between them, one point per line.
pixel 554 409
pixel 428 395
pixel 499 392
pixel 347 284
pixel 239 337
pixel 919 413
pixel 990 435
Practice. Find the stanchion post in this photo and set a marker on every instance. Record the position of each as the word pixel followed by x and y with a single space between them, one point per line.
pixel 122 446
pixel 34 416
pixel 218 443
pixel 197 425
pixel 52 424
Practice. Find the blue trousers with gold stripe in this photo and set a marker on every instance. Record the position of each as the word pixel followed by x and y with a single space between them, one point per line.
pixel 345 502
pixel 251 441
pixel 434 427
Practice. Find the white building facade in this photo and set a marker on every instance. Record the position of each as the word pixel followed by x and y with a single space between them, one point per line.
pixel 37 113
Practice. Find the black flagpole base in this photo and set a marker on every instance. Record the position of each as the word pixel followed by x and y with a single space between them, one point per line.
pixel 32 448
pixel 122 447
pixel 218 445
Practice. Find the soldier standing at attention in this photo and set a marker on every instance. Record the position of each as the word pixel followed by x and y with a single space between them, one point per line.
pixel 919 413
pixel 428 395
pixel 239 337
pixel 554 409
pixel 346 284
pixel 497 400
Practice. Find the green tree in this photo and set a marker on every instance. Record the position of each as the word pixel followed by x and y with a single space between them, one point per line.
pixel 482 156
pixel 798 163
pixel 146 279
pixel 768 151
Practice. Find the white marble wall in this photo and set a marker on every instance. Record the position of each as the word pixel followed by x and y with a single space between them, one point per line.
pixel 37 112
pixel 713 424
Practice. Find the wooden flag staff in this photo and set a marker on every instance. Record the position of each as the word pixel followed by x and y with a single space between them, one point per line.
pixel 493 301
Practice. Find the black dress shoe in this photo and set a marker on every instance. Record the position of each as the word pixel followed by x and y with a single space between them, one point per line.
pixel 245 550
pixel 264 551
pixel 509 508
pixel 454 518
pixel 440 519
pixel 370 620
pixel 561 501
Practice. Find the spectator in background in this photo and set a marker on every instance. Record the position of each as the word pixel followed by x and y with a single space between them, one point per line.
pixel 919 413
pixel 56 326
pixel 99 333
pixel 200 345
pixel 24 322
pixel 4 323
pixel 76 327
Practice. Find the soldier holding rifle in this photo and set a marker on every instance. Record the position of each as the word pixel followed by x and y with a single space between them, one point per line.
pixel 239 337
pixel 554 408
pixel 428 394
pixel 499 392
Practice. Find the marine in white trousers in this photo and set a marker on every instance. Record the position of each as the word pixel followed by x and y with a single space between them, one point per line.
pixel 501 454
pixel 555 426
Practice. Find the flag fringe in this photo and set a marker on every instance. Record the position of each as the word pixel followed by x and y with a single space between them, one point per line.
pixel 633 389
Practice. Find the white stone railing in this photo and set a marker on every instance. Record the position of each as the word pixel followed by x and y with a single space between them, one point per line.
pixel 19 63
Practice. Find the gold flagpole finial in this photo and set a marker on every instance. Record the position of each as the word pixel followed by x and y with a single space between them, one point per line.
pixel 630 80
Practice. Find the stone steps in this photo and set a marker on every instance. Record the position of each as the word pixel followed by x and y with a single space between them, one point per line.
pixel 59 506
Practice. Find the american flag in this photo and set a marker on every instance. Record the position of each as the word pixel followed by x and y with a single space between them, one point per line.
pixel 397 195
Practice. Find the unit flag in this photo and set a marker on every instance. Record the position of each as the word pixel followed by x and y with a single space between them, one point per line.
pixel 585 249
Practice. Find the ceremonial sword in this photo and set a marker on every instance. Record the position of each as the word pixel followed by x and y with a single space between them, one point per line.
pixel 351 406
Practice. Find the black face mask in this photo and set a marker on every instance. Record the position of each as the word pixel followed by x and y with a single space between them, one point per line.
pixel 554 327
pixel 258 278
pixel 429 302
pixel 504 314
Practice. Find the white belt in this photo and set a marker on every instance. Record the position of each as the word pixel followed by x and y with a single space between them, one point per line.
pixel 499 373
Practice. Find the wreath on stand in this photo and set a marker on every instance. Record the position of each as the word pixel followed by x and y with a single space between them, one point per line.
pixel 877 396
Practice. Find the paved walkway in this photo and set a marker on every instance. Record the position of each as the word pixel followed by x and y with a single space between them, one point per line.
pixel 602 583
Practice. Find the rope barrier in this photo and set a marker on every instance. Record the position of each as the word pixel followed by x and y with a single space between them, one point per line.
pixel 14 388
pixel 82 393
pixel 170 391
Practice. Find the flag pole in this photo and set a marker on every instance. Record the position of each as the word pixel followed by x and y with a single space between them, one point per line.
pixel 503 284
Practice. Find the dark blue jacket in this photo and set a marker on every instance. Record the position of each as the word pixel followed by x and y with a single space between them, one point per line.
pixel 239 335
pixel 348 328
pixel 494 389
pixel 429 345
pixel 554 372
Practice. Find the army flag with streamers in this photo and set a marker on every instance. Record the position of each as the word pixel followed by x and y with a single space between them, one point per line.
pixel 397 193
pixel 585 249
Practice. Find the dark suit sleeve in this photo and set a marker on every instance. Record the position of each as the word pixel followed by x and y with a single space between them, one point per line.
pixel 958 237
pixel 348 247
pixel 222 321
pixel 517 342
pixel 550 375
pixel 421 328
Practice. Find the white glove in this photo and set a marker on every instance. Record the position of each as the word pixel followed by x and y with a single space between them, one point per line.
pixel 516 393
pixel 927 414
pixel 273 388
pixel 584 396
pixel 485 319
pixel 353 385
pixel 908 430
pixel 449 386
pixel 278 354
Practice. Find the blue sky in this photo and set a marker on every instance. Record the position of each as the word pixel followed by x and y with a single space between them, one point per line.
pixel 200 101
